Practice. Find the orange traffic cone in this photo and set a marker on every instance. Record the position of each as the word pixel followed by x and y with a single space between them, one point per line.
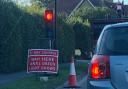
pixel 72 80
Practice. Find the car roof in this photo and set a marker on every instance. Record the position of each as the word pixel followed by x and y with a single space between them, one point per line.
pixel 124 24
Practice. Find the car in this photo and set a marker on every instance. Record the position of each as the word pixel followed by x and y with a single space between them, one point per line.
pixel 108 68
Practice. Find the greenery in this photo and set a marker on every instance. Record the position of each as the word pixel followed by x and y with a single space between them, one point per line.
pixel 19 32
pixel 44 2
pixel 82 34
pixel 53 82
pixel 82 27
pixel 65 41
pixel 23 28
pixel 97 13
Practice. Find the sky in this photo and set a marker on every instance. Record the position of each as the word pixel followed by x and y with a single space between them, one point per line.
pixel 125 1
pixel 23 2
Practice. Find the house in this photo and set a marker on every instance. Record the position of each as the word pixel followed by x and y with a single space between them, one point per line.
pixel 67 6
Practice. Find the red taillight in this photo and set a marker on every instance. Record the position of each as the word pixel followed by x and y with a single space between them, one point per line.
pixel 100 67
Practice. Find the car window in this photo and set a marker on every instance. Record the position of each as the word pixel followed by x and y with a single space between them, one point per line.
pixel 115 41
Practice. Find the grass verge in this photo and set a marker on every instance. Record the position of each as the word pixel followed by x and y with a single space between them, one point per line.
pixel 52 83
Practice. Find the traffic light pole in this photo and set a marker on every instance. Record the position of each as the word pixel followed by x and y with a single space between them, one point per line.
pixel 55 24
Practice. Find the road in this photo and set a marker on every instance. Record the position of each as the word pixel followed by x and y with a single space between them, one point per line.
pixel 7 78
pixel 82 83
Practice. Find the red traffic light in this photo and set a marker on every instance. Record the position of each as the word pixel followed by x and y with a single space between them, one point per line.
pixel 49 16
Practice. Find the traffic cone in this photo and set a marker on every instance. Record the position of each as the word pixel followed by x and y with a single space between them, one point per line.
pixel 72 80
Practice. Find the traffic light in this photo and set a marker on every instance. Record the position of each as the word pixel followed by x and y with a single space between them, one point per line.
pixel 49 16
pixel 49 25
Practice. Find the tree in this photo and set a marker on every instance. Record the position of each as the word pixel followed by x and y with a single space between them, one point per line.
pixel 19 31
pixel 82 34
pixel 43 2
pixel 97 13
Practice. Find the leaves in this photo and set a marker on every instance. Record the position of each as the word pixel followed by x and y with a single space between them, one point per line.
pixel 19 31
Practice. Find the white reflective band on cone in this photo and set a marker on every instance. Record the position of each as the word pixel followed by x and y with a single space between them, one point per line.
pixel 72 69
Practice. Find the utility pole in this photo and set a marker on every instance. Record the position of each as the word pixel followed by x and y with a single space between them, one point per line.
pixel 55 24
pixel 102 3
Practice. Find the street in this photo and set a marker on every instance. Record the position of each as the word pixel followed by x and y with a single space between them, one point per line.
pixel 82 83
pixel 52 44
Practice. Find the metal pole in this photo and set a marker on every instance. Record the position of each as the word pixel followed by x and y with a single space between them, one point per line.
pixel 55 24
pixel 102 3
pixel 50 43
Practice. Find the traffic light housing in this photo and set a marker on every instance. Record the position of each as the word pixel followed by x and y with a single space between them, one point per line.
pixel 49 25
pixel 49 16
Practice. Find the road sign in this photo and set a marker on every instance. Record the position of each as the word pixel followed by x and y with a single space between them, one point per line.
pixel 42 60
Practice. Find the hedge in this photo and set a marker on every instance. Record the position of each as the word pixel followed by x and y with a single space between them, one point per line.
pixel 21 31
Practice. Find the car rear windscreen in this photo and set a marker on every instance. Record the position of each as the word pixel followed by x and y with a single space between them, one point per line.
pixel 115 41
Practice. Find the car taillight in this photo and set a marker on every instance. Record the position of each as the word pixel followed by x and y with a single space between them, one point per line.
pixel 100 68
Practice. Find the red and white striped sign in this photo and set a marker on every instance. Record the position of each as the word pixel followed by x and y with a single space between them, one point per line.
pixel 42 60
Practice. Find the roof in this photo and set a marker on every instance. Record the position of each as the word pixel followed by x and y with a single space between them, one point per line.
pixel 65 6
pixel 96 2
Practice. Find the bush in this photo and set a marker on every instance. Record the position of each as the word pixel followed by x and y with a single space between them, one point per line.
pixel 19 31
pixel 97 13
pixel 82 33
pixel 65 41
